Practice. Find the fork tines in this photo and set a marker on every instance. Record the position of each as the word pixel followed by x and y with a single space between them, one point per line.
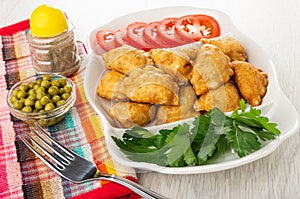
pixel 56 156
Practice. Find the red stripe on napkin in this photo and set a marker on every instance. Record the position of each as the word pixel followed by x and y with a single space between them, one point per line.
pixel 3 180
pixel 11 29
pixel 110 191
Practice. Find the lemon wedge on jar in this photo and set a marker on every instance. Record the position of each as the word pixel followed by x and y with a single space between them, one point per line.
pixel 47 21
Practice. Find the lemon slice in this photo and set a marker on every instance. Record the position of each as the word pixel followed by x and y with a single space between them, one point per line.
pixel 47 21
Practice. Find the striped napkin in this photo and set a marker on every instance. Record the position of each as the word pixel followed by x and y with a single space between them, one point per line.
pixel 22 174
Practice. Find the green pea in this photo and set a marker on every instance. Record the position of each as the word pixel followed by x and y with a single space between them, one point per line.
pixel 27 109
pixel 40 95
pixel 53 90
pixel 38 106
pixel 60 102
pixel 32 97
pixel 46 84
pixel 42 122
pixel 31 85
pixel 44 100
pixel 67 88
pixel 55 99
pixel 36 86
pixel 62 82
pixel 61 91
pixel 65 96
pixel 15 92
pixel 24 87
pixel 38 81
pixel 47 77
pixel 13 99
pixel 21 94
pixel 55 83
pixel 18 105
pixel 51 121
pixel 40 89
pixel 31 91
pixel 49 107
pixel 58 119
pixel 28 102
pixel 22 100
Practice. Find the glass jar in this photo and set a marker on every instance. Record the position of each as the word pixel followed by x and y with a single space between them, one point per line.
pixel 57 54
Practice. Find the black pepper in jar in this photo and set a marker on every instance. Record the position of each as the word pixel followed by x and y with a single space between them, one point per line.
pixel 57 54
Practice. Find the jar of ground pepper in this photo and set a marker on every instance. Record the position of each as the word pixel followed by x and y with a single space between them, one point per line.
pixel 57 54
pixel 52 42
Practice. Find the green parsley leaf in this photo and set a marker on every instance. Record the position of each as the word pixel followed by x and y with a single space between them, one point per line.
pixel 178 142
pixel 141 145
pixel 189 157
pixel 207 131
pixel 222 144
pixel 242 142
pixel 254 119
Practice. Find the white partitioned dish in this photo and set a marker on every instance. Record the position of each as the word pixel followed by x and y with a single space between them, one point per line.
pixel 275 106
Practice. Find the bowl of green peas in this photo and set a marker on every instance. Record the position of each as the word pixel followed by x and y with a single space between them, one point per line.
pixel 42 98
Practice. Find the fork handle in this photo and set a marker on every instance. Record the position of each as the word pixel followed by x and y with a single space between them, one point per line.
pixel 138 189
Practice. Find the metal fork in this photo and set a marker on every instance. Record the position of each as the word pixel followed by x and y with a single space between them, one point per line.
pixel 76 168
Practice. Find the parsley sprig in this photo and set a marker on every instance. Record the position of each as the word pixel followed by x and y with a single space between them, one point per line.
pixel 212 133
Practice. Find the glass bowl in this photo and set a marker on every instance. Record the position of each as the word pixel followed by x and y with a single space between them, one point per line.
pixel 42 117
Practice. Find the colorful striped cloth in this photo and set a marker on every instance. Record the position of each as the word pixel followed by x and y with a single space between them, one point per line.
pixel 22 174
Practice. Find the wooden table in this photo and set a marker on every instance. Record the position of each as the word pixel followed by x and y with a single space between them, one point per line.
pixel 275 26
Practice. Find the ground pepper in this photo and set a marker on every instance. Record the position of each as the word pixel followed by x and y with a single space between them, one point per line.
pixel 57 54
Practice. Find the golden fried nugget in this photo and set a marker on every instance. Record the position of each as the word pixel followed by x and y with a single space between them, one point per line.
pixel 150 85
pixel 251 81
pixel 166 114
pixel 108 84
pixel 226 98
pixel 230 47
pixel 211 69
pixel 191 50
pixel 130 114
pixel 110 56
pixel 124 59
pixel 176 63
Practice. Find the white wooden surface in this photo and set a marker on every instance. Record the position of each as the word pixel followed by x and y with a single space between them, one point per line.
pixel 275 25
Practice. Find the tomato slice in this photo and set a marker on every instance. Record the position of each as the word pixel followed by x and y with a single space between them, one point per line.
pixel 167 32
pixel 105 39
pixel 150 35
pixel 192 28
pixel 121 37
pixel 108 39
pixel 135 36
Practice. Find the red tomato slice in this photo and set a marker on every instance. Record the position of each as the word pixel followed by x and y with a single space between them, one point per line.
pixel 105 39
pixel 192 28
pixel 150 35
pixel 135 35
pixel 120 37
pixel 167 32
